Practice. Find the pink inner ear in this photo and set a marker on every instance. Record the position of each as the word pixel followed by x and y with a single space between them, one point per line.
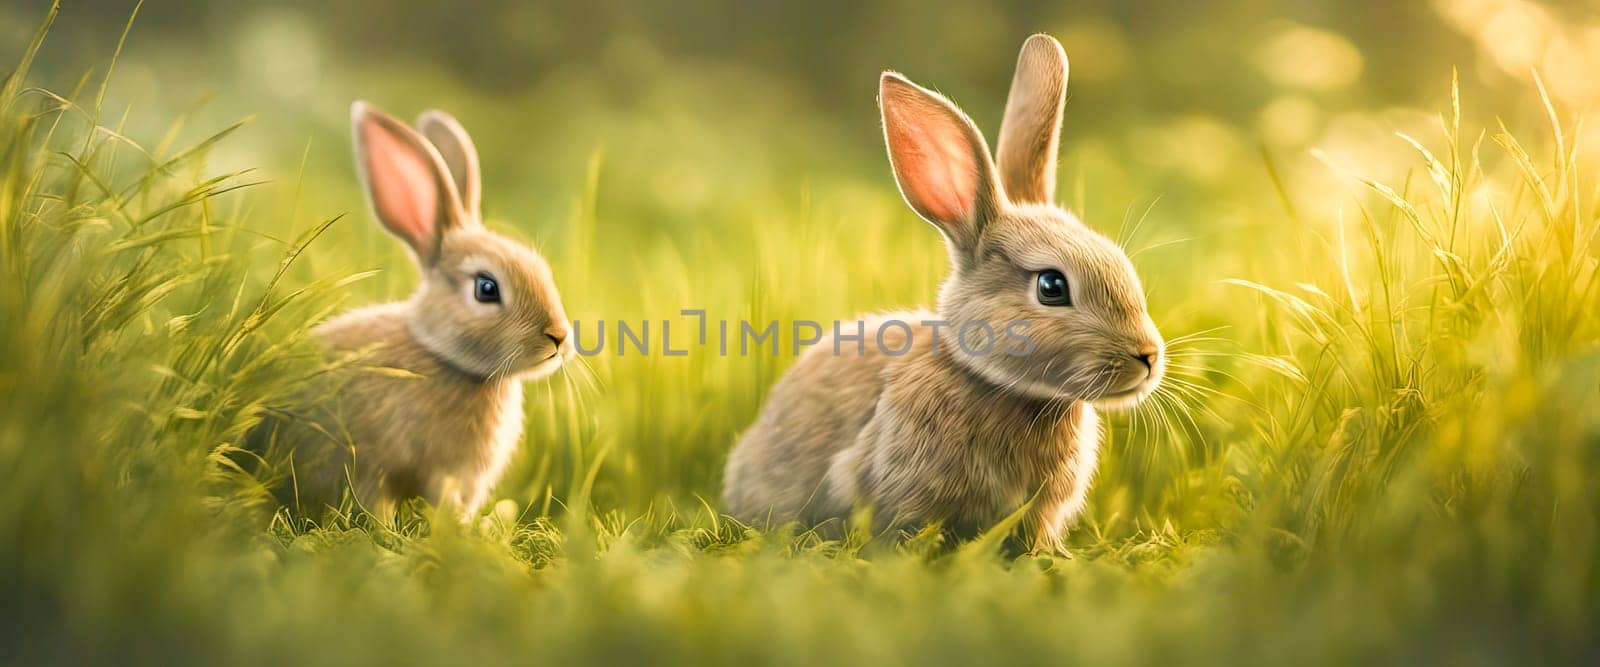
pixel 403 187
pixel 933 158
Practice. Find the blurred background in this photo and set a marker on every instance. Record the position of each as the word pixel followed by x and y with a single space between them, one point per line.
pixel 1167 98
pixel 727 156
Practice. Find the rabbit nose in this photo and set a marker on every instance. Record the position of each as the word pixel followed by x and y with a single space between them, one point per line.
pixel 1146 357
pixel 556 336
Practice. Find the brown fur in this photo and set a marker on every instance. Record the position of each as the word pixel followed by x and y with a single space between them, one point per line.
pixel 946 436
pixel 431 404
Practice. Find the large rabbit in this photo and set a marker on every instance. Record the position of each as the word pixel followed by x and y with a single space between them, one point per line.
pixel 433 406
pixel 952 433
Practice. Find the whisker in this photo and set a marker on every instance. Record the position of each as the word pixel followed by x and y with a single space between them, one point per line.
pixel 1161 244
pixel 1194 334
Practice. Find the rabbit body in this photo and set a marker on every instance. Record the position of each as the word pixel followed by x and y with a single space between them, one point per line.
pixel 952 434
pixel 921 436
pixel 427 398
pixel 445 435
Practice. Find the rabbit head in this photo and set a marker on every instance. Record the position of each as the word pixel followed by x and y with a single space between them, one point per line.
pixel 487 305
pixel 1020 263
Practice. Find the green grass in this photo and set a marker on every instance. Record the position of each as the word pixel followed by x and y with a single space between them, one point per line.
pixel 1382 439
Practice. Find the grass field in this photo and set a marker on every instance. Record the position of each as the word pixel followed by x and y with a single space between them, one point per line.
pixel 1381 439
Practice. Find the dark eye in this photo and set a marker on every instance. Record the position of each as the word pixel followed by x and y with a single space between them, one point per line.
pixel 1053 290
pixel 486 290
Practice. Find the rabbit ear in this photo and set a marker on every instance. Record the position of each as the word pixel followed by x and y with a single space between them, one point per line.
pixel 1031 131
pixel 460 156
pixel 939 159
pixel 406 181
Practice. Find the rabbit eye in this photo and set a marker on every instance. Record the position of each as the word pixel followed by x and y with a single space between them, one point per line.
pixel 486 289
pixel 1053 289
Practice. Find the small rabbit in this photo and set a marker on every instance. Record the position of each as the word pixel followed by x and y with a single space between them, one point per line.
pixel 433 406
pixel 952 433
